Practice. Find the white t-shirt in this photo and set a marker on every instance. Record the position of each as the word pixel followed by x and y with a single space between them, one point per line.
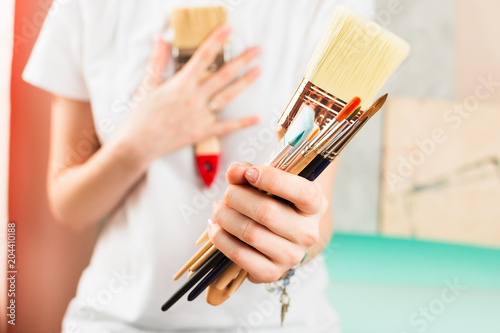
pixel 97 50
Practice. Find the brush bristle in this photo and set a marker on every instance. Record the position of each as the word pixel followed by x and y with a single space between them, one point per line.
pixel 355 57
pixel 193 25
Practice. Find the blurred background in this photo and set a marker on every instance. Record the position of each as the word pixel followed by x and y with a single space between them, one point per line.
pixel 417 209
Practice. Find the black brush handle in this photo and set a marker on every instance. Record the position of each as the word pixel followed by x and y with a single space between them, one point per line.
pixel 211 277
pixel 200 273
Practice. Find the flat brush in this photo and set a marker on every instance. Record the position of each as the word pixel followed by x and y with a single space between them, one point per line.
pixel 354 57
pixel 191 27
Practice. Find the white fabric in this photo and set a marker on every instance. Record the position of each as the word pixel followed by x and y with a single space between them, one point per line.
pixel 97 50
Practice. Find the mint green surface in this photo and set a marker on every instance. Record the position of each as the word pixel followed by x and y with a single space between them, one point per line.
pixel 382 284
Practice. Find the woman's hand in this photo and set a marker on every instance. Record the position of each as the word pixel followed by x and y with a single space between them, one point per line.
pixel 262 235
pixel 175 114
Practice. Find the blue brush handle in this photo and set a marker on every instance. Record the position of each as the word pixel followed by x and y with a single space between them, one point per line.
pixel 207 280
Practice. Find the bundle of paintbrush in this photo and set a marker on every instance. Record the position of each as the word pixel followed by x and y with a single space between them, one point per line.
pixel 354 58
pixel 191 27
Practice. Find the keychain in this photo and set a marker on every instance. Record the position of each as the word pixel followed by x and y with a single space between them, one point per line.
pixel 284 297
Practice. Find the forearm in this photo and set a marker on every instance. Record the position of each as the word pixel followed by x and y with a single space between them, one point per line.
pixel 82 195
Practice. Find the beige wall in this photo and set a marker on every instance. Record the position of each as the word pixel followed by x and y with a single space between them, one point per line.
pixel 462 208
pixel 478 45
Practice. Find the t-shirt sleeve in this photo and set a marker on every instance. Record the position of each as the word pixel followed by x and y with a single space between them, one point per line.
pixel 55 64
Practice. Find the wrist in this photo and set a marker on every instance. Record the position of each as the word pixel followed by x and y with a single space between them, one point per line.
pixel 129 155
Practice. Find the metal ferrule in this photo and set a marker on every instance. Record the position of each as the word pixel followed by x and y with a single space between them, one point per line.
pixel 292 155
pixel 277 160
pixel 331 136
pixel 182 56
pixel 325 106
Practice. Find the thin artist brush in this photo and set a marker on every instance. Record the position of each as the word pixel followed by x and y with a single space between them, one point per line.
pixel 318 152
pixel 333 129
pixel 284 152
pixel 288 159
pixel 322 161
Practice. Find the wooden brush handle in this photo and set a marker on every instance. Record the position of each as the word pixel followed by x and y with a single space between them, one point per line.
pixel 193 259
pixel 215 296
pixel 301 164
pixel 202 238
pixel 225 278
pixel 211 251
pixel 237 282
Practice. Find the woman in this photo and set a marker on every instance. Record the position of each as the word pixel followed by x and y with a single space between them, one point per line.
pixel 121 150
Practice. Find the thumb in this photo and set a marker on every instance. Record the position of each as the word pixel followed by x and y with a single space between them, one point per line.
pixel 157 62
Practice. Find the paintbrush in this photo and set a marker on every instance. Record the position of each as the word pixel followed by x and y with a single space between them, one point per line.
pixel 191 27
pixel 354 58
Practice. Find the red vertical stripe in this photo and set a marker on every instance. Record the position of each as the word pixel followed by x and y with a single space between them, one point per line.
pixel 50 259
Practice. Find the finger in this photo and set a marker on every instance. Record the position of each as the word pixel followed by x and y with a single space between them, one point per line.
pixel 307 196
pixel 278 217
pixel 274 247
pixel 207 52
pixel 222 98
pixel 230 71
pixel 157 62
pixel 255 263
pixel 229 126
pixel 235 174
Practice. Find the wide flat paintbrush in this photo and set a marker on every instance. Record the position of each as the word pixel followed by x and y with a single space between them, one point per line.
pixel 191 27
pixel 354 57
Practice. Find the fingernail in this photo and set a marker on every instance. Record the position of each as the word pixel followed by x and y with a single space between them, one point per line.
pixel 252 120
pixel 225 29
pixel 255 51
pixel 216 205
pixel 235 166
pixel 255 71
pixel 210 223
pixel 252 175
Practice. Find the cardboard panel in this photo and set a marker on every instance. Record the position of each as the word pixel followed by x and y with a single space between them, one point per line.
pixel 441 171
pixel 478 49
